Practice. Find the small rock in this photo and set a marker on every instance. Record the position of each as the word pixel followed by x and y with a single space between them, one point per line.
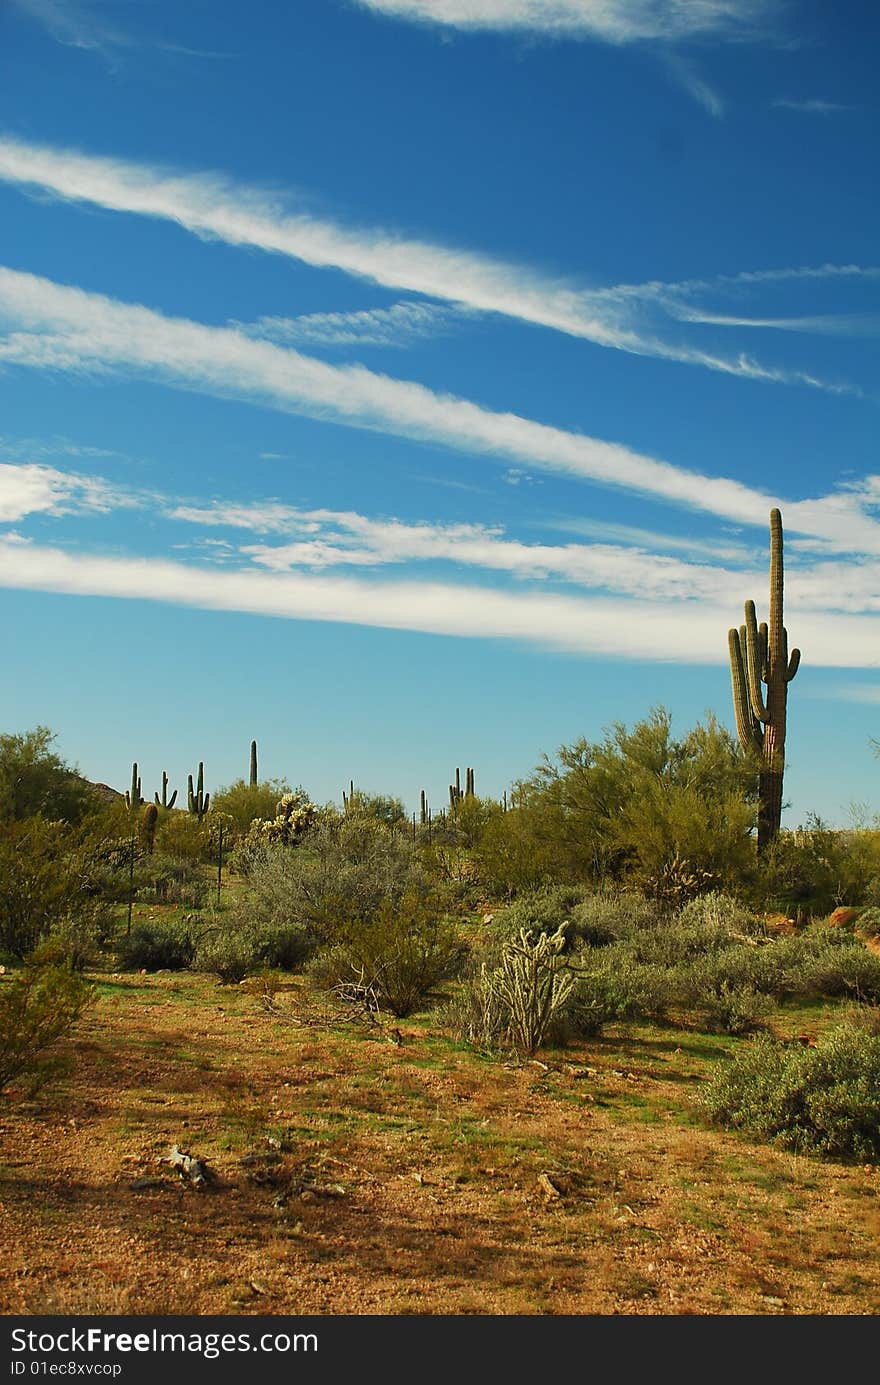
pixel 548 1187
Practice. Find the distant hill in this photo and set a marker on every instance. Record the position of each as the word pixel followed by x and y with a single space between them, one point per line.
pixel 101 791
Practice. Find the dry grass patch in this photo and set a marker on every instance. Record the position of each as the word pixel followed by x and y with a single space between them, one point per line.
pixel 362 1171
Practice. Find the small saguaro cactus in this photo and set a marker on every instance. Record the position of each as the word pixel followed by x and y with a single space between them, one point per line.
pixel 759 654
pixel 197 800
pixel 148 823
pixel 423 803
pixel 133 798
pixel 469 790
pixel 165 801
pixel 253 778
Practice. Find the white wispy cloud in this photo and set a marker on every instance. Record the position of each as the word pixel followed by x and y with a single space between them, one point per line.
pixel 609 21
pixel 74 24
pixel 31 488
pixel 326 538
pixel 398 325
pixel 52 326
pixel 216 208
pixel 687 75
pixel 810 106
pixel 636 567
pixel 672 632
pixel 57 327
pixel 820 324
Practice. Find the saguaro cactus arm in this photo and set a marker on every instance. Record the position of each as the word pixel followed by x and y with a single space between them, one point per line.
pixel 749 729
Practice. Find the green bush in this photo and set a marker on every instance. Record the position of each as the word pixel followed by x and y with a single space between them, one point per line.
pixel 345 870
pixel 182 837
pixel 826 962
pixel 402 951
pixel 38 1006
pixel 157 947
pixel 723 911
pixel 735 1009
pixel 245 803
pixel 171 879
pixel 230 954
pixel 35 781
pixel 868 923
pixel 823 1100
pixel 614 985
pixel 607 916
pixel 34 895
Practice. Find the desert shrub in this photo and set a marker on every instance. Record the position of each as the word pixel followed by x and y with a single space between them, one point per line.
pixel 33 889
pixel 49 886
pixel 763 970
pixel 607 916
pixel 823 1100
pixel 181 837
pixel 547 909
pixel 632 805
pixel 172 879
pixel 35 781
pixel 38 1006
pixel 157 947
pixel 244 803
pixel 476 1015
pixel 383 807
pixel 402 951
pixel 230 954
pixel 723 911
pixel 617 986
pixel 515 852
pixel 735 1009
pixel 77 938
pixel 837 968
pixel 868 922
pixel 676 944
pixel 813 869
pixel 344 871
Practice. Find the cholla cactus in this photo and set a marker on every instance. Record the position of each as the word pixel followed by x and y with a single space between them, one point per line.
pixel 292 818
pixel 531 985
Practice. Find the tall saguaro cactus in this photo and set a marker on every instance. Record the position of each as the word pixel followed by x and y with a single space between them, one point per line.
pixel 133 799
pixel 253 778
pixel 196 799
pixel 165 801
pixel 759 654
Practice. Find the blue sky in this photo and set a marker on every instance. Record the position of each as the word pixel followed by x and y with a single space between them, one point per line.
pixel 407 383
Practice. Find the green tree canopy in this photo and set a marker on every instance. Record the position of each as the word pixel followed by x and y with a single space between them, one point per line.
pixel 34 779
pixel 627 805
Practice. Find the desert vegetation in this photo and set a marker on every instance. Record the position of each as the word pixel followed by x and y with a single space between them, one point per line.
pixel 626 945
pixel 611 915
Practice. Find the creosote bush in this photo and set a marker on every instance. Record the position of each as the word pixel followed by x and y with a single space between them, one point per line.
pixel 403 951
pixel 38 1006
pixel 823 1100
pixel 157 947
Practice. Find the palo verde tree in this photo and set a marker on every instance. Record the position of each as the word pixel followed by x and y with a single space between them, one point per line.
pixel 759 654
